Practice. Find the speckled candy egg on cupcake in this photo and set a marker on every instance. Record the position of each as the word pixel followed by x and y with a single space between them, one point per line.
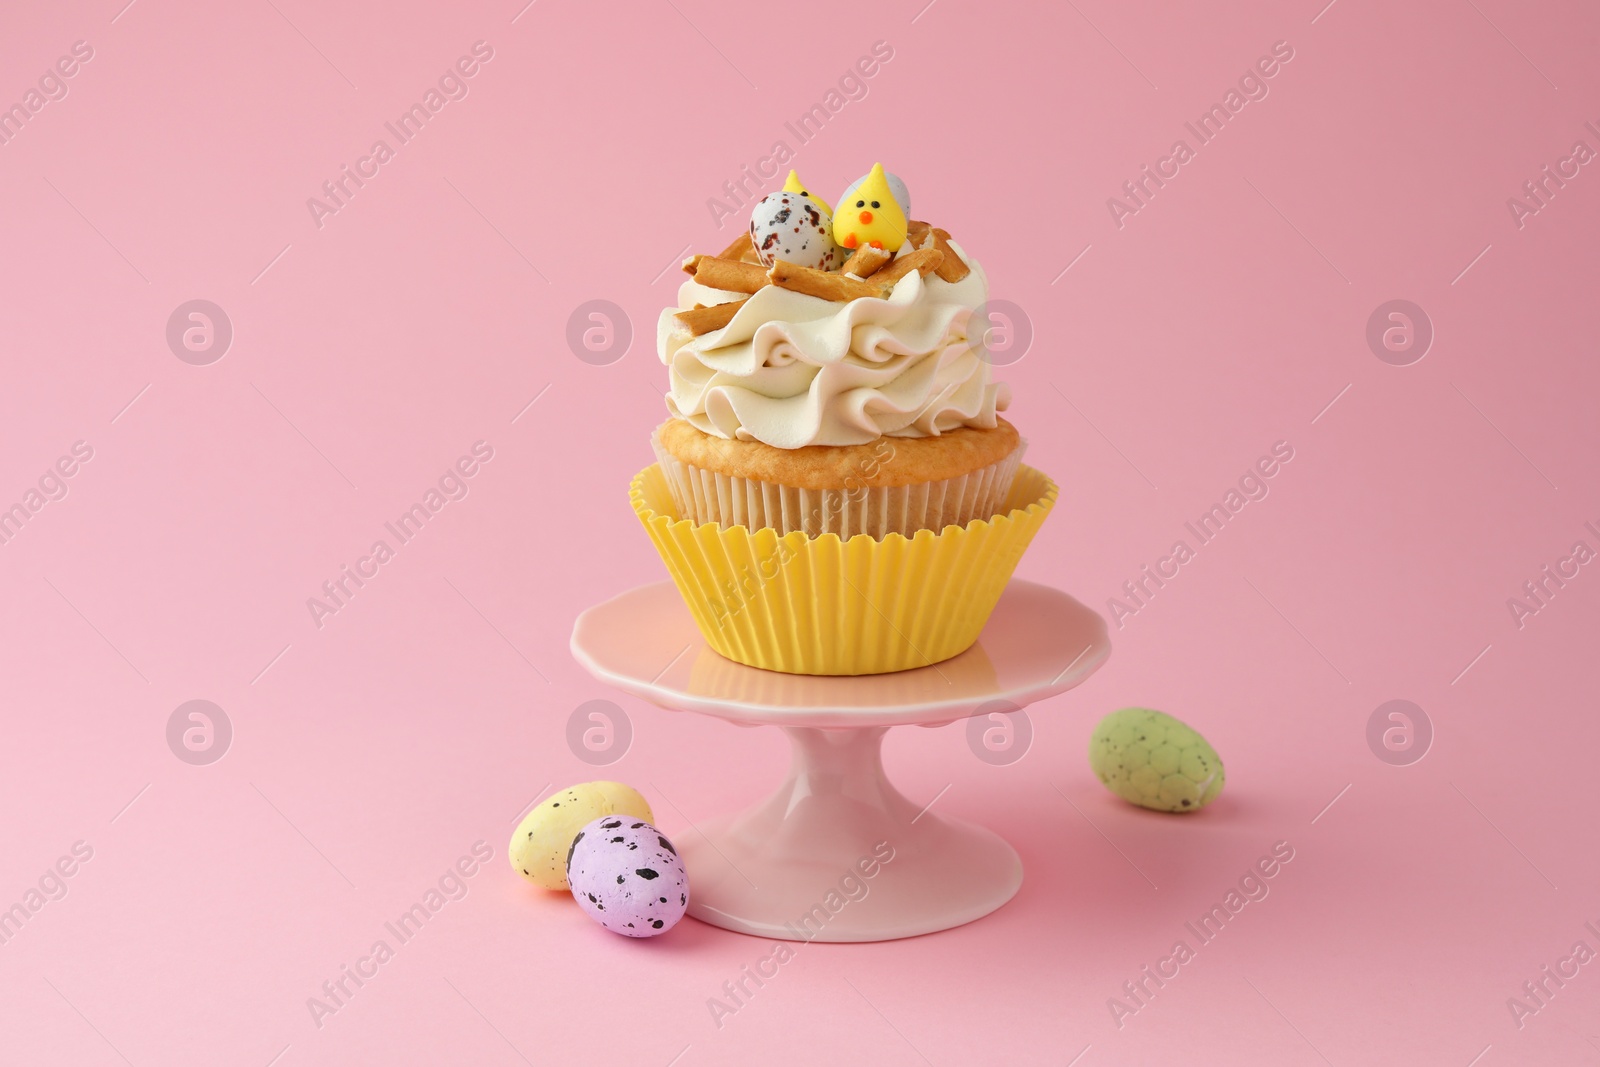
pixel 794 228
pixel 627 877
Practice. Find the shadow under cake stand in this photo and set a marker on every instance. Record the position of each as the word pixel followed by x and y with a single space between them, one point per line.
pixel 794 867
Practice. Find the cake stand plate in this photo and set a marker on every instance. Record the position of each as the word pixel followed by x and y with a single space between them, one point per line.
pixel 837 853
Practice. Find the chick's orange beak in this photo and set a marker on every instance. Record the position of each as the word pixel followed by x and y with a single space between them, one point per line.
pixel 866 217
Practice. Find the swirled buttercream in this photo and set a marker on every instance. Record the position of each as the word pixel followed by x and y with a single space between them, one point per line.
pixel 792 370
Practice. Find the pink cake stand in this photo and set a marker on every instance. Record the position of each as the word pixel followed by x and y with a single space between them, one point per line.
pixel 837 853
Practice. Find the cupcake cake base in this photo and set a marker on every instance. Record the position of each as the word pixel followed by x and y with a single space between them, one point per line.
pixel 890 486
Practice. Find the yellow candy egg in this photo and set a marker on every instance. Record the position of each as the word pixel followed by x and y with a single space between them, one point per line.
pixel 539 845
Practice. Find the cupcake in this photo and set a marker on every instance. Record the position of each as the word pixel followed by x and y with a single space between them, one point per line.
pixel 836 492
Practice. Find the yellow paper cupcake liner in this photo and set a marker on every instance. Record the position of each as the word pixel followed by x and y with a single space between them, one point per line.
pixel 820 605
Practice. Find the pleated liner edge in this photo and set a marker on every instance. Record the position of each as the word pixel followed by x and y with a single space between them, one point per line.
pixel 820 605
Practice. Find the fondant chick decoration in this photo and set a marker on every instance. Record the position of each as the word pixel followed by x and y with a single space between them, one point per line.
pixel 795 185
pixel 870 214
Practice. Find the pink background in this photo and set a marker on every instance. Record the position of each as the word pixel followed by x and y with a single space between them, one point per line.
pixel 369 353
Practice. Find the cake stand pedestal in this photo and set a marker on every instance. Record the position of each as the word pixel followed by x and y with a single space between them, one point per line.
pixel 837 853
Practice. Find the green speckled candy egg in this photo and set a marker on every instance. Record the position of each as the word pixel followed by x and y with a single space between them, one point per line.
pixel 540 844
pixel 1150 759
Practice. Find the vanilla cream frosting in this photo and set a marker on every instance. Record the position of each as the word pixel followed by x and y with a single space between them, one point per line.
pixel 792 370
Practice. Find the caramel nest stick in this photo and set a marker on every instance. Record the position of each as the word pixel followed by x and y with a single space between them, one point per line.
pixel 827 285
pixel 922 260
pixel 737 250
pixel 952 268
pixel 864 261
pixel 916 232
pixel 692 264
pixel 730 275
pixel 701 319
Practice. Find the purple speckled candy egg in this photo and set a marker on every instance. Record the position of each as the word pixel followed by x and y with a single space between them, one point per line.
pixel 796 229
pixel 627 876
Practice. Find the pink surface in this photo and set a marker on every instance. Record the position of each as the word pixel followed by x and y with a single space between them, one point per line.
pixel 369 753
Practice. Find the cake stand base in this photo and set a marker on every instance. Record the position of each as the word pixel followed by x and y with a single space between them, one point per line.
pixel 838 854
